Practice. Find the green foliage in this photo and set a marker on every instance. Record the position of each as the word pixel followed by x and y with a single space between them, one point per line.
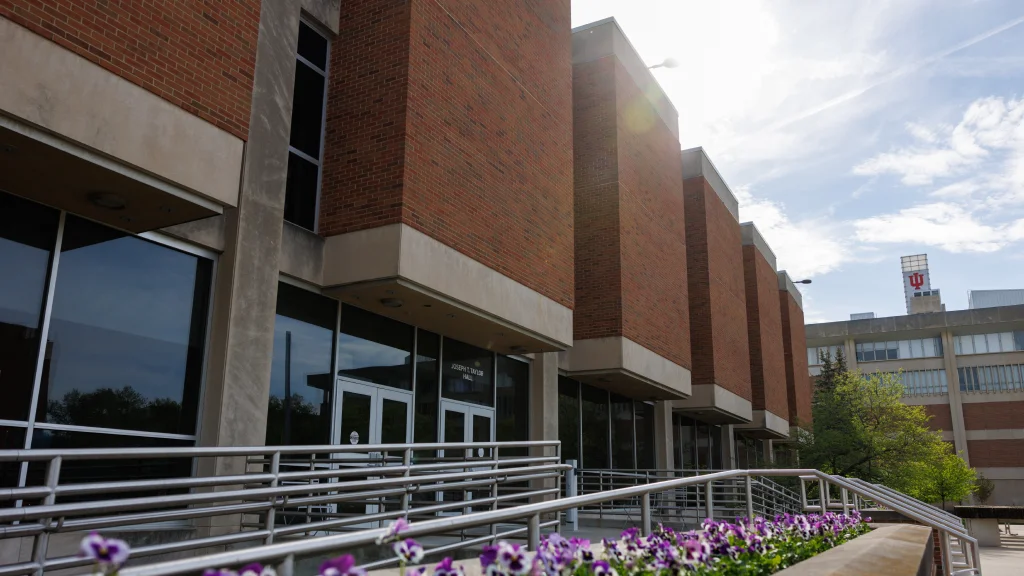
pixel 983 488
pixel 862 429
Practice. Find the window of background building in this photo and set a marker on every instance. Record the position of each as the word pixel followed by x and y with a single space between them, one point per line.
pixel 569 418
pixel 919 382
pixel 305 147
pixel 988 343
pixel 1007 377
pixel 375 349
pixel 467 373
pixel 814 353
pixel 301 382
pixel 512 421
pixel 899 349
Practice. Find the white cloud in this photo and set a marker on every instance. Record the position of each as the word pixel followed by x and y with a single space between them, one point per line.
pixel 807 247
pixel 945 225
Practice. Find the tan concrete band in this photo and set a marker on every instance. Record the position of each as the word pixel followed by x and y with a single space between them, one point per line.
pixel 714 397
pixel 697 163
pixel 63 93
pixel 765 420
pixel 619 353
pixel 400 251
pixel 893 550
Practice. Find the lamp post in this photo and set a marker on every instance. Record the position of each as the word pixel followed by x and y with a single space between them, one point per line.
pixel 667 63
pixel 807 281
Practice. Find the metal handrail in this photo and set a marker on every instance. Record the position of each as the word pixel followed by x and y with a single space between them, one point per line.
pixel 533 512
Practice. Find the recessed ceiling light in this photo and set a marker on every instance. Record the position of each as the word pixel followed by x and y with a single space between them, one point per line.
pixel 391 302
pixel 107 200
pixel 166 209
pixel 499 334
pixel 427 305
pixel 451 315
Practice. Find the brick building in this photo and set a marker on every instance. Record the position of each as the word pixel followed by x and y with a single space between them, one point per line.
pixel 966 367
pixel 308 222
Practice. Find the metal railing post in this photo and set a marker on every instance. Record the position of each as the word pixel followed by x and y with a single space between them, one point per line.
pixel 42 540
pixel 822 495
pixel 572 515
pixel 494 490
pixel 846 500
pixel 709 505
pixel 645 513
pixel 750 497
pixel 407 462
pixel 803 495
pixel 947 555
pixel 275 469
pixel 533 532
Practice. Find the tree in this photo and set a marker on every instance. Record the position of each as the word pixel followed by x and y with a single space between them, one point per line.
pixel 983 488
pixel 862 429
pixel 942 478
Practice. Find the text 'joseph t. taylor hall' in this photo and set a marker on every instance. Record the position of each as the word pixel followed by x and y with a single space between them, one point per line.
pixel 311 222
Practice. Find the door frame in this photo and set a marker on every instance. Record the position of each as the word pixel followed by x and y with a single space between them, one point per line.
pixel 377 394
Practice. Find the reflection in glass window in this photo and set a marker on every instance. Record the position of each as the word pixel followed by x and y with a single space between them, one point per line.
pixel 10 439
pixel 594 407
pixel 467 373
pixel 622 432
pixel 988 343
pixel 127 333
pixel 703 446
pixel 428 351
pixel 301 384
pixel 686 442
pixel 991 378
pixel 305 152
pixel 375 349
pixel 512 412
pixel 28 232
pixel 569 418
pixel 645 459
pixel 899 349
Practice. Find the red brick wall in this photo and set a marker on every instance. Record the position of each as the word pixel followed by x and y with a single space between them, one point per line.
pixel 993 416
pixel 598 286
pixel 941 419
pixel 452 128
pixel 799 383
pixel 655 308
pixel 718 307
pixel 764 328
pixel 996 453
pixel 198 55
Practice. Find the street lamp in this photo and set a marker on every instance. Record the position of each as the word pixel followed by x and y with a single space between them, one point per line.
pixel 807 281
pixel 667 63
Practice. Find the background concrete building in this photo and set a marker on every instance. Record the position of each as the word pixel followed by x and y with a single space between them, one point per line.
pixel 312 222
pixel 966 367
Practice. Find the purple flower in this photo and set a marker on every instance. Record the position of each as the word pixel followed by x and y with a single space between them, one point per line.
pixel 488 556
pixel 393 529
pixel 257 569
pixel 341 566
pixel 512 559
pixel 602 568
pixel 446 568
pixel 108 554
pixel 219 572
pixel 408 551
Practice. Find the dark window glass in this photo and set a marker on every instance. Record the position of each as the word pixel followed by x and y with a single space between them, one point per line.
pixel 467 373
pixel 81 471
pixel 512 411
pixel 645 436
pixel 127 333
pixel 717 448
pixel 688 443
pixel 312 46
pixel 1018 340
pixel 300 192
pixel 622 433
pixel 307 110
pixel 569 418
pixel 741 452
pixel 301 384
pixel 10 439
pixel 375 349
pixel 703 446
pixel 28 232
pixel 428 350
pixel 893 354
pixel 594 405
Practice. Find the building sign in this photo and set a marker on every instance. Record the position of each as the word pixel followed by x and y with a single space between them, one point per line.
pixel 915 281
pixel 468 372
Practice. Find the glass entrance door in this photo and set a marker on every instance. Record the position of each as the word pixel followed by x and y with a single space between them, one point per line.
pixel 464 422
pixel 367 415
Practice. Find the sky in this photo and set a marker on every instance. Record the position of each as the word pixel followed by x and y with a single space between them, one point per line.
pixel 854 133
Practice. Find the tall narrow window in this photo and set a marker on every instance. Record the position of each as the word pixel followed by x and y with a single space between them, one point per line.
pixel 594 408
pixel 569 418
pixel 513 402
pixel 305 148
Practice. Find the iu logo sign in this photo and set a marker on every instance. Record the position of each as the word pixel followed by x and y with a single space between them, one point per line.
pixel 916 280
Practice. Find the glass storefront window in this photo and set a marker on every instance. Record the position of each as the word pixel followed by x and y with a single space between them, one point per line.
pixel 512 411
pixel 375 349
pixel 28 232
pixel 687 437
pixel 127 333
pixel 467 373
pixel 428 351
pixel 703 446
pixel 594 408
pixel 301 384
pixel 11 438
pixel 569 418
pixel 716 448
pixel 645 459
pixel 622 433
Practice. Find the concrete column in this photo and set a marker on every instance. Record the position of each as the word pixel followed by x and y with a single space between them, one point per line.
pixel 956 407
pixel 242 337
pixel 729 447
pixel 664 442
pixel 850 349
pixel 544 407
pixel 769 452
